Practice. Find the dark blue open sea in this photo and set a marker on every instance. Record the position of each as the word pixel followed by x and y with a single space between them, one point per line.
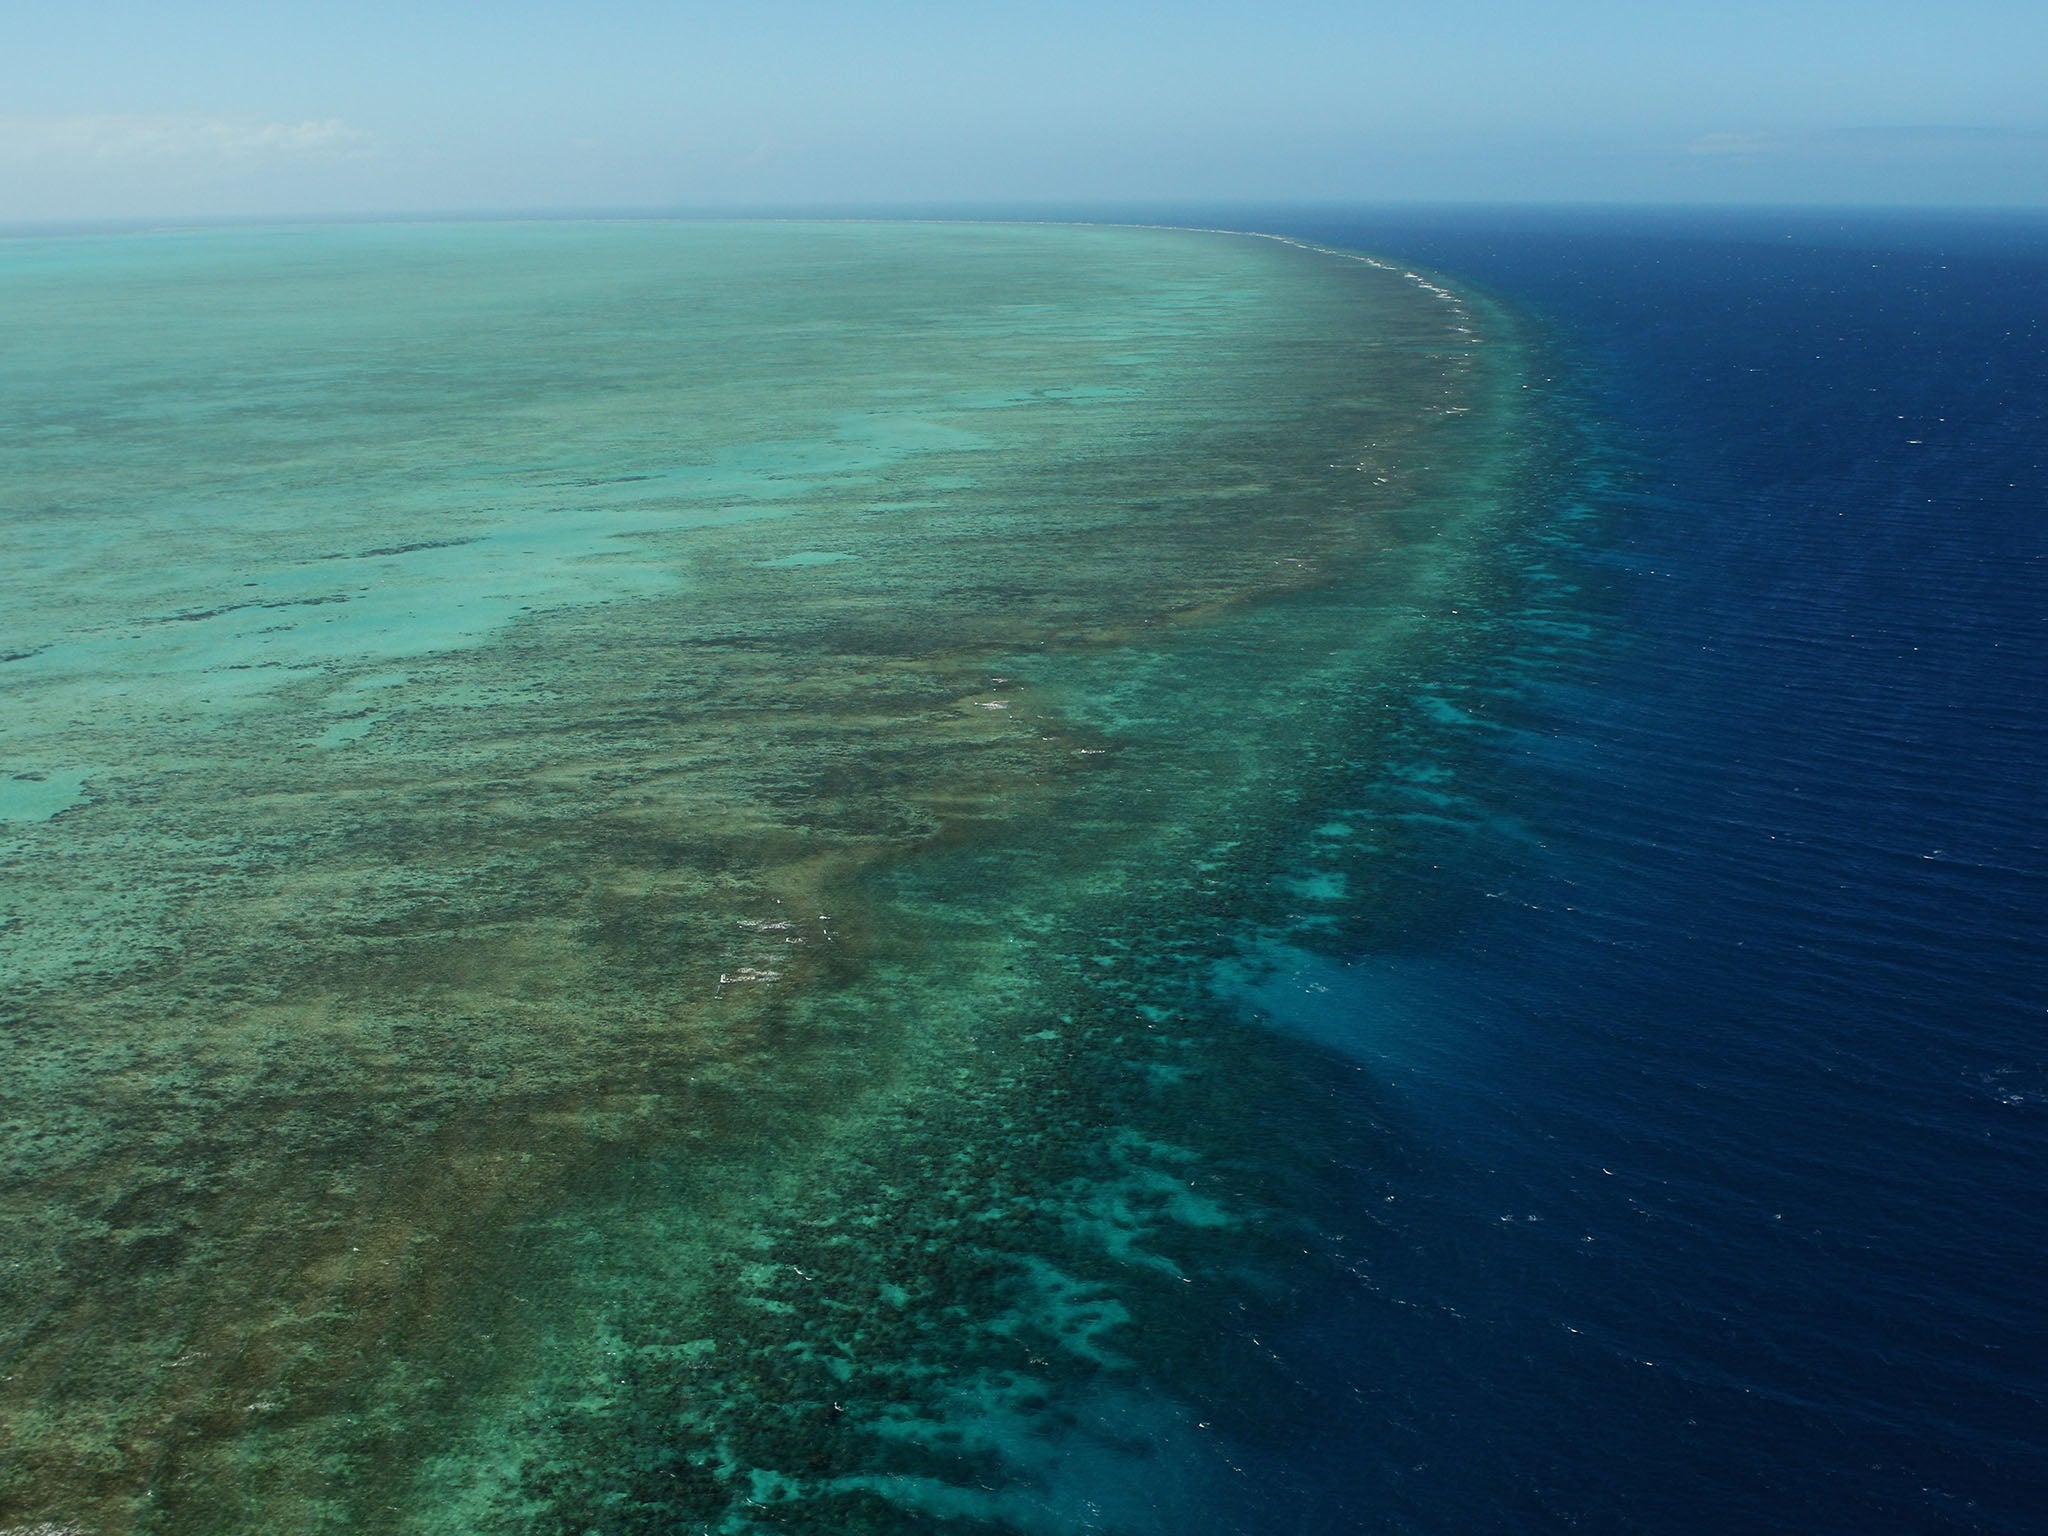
pixel 1719 1084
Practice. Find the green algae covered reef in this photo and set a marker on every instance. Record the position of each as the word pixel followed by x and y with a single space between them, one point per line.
pixel 613 839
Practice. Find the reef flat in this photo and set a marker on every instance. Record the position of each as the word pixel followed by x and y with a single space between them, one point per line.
pixel 614 835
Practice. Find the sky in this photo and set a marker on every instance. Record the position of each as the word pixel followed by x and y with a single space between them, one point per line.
pixel 112 109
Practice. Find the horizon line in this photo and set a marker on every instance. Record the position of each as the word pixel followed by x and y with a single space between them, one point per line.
pixel 1120 211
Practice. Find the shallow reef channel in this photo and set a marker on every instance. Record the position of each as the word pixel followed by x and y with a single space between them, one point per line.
pixel 616 836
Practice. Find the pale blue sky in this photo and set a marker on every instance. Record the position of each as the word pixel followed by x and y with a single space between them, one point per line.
pixel 110 108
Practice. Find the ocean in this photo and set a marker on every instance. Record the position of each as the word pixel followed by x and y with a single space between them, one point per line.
pixel 678 877
pixel 1721 1095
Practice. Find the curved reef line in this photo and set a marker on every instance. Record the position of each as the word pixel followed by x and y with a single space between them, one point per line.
pixel 736 1051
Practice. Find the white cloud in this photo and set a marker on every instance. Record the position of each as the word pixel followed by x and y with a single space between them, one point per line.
pixel 190 139
pixel 1731 144
pixel 1880 142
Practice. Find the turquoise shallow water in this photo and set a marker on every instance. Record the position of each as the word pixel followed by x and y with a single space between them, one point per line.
pixel 617 835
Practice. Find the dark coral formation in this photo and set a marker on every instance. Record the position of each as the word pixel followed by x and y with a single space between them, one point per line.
pixel 732 1047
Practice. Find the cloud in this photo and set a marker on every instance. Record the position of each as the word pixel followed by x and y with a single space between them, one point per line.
pixel 1745 144
pixel 1884 142
pixel 1938 142
pixel 191 139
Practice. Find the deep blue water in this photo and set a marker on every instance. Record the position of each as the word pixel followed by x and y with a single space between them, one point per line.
pixel 1720 1101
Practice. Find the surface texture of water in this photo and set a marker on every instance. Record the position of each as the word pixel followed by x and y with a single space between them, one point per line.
pixel 1724 1099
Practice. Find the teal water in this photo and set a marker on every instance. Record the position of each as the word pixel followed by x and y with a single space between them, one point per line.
pixel 616 839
